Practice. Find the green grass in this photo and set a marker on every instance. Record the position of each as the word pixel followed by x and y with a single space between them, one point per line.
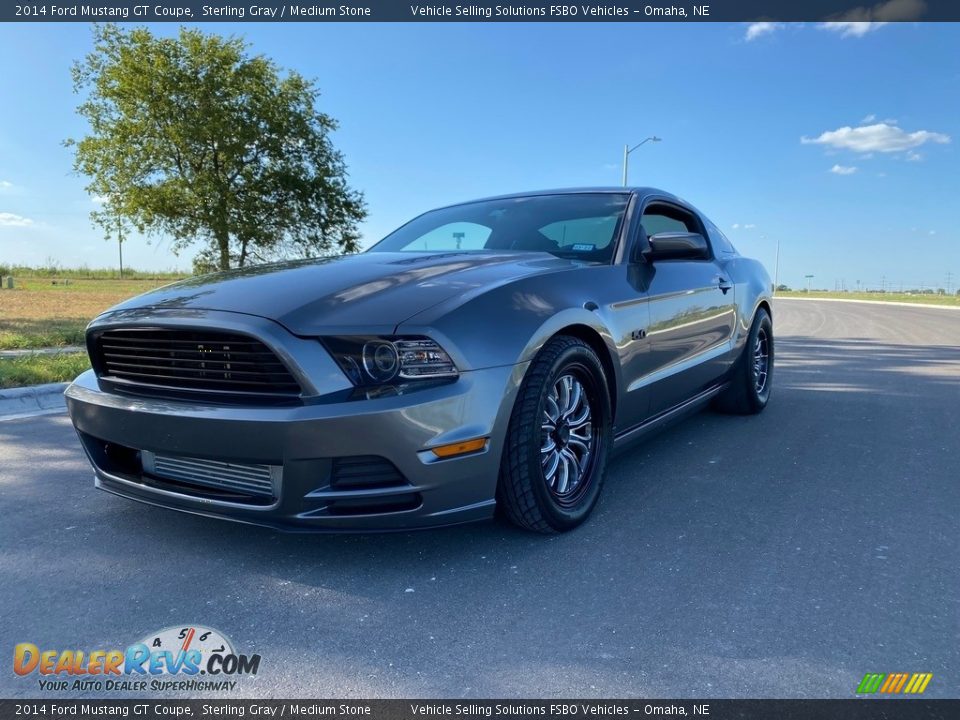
pixel 38 369
pixel 55 271
pixel 21 334
pixel 68 286
pixel 949 300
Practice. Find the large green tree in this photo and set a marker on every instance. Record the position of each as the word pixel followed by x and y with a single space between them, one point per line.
pixel 196 139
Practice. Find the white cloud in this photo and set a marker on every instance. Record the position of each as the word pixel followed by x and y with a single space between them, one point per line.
pixel 99 199
pixel 868 119
pixel 879 137
pixel 862 20
pixel 735 226
pixel 11 220
pixel 843 170
pixel 759 29
pixel 852 29
pixel 914 156
pixel 749 226
pixel 745 226
pixel 5 184
pixel 933 232
pixel 856 23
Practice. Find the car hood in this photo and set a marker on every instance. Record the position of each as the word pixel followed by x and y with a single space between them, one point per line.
pixel 368 292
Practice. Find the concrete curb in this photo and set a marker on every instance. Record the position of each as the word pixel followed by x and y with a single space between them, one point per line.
pixel 777 298
pixel 32 400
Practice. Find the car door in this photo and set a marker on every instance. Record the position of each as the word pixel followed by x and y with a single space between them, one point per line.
pixel 692 313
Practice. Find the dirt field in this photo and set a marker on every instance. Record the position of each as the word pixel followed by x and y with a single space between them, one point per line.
pixel 42 312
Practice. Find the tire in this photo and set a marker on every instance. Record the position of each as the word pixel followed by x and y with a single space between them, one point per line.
pixel 752 375
pixel 533 492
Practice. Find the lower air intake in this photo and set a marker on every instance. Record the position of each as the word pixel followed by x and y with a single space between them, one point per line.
pixel 261 481
pixel 364 471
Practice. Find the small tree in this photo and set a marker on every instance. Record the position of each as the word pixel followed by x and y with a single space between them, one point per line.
pixel 195 138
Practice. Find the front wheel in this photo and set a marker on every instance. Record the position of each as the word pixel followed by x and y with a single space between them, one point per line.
pixel 749 389
pixel 557 443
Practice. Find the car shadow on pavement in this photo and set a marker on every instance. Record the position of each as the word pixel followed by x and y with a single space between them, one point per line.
pixel 868 366
pixel 780 554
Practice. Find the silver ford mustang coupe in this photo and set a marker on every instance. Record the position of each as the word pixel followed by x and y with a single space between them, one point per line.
pixel 485 355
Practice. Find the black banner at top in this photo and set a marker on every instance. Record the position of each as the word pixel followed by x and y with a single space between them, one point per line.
pixel 193 11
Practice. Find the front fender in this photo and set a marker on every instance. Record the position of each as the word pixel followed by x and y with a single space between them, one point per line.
pixel 509 324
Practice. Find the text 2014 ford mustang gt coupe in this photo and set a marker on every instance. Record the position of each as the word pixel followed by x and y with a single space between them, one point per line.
pixel 489 353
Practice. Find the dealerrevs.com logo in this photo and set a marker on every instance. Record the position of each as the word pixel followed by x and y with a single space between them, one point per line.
pixel 187 658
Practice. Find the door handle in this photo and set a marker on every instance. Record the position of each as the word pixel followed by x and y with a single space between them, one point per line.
pixel 723 284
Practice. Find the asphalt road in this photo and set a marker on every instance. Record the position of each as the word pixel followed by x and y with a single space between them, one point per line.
pixel 783 555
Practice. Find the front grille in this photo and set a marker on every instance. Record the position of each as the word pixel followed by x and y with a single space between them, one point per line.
pixel 364 471
pixel 262 481
pixel 230 366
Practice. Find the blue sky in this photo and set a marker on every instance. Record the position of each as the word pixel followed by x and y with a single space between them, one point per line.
pixel 841 142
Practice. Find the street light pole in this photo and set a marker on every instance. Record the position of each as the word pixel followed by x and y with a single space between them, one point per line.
pixel 776 271
pixel 626 154
pixel 120 242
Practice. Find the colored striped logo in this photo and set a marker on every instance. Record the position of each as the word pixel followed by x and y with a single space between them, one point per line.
pixel 893 683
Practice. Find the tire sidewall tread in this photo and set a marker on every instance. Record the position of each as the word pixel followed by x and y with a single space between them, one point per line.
pixel 740 397
pixel 521 490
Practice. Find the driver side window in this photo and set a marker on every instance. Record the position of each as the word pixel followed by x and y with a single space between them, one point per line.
pixel 664 218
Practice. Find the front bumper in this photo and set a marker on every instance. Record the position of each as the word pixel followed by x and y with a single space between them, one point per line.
pixel 304 442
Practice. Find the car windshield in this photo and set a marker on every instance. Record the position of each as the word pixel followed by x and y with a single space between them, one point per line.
pixel 581 226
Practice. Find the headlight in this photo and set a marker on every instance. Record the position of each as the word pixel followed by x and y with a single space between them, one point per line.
pixel 375 361
pixel 422 357
pixel 380 360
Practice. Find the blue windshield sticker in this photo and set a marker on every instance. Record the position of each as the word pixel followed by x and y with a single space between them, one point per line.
pixel 583 247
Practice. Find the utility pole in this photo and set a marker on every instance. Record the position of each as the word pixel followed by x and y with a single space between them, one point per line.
pixel 776 270
pixel 120 242
pixel 626 154
pixel 949 282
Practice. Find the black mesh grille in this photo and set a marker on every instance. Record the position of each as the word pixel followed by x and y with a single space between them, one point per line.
pixel 161 361
pixel 364 471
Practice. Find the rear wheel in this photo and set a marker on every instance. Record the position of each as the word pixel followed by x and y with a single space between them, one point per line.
pixel 558 439
pixel 749 390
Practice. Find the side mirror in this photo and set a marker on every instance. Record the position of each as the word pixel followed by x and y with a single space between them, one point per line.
pixel 677 246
